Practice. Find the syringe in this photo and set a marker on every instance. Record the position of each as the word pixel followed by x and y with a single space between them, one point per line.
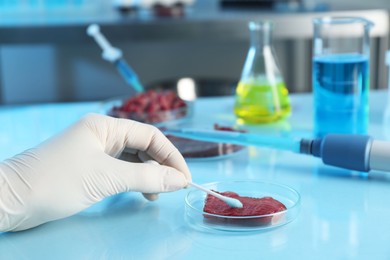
pixel 114 55
pixel 349 151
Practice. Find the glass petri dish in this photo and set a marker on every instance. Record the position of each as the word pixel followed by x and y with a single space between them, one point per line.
pixel 197 218
pixel 162 118
pixel 193 150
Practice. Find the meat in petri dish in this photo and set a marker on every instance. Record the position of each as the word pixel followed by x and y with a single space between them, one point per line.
pixel 255 211
pixel 193 149
pixel 152 107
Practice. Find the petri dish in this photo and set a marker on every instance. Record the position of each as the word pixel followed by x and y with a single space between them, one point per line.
pixel 193 150
pixel 197 218
pixel 161 118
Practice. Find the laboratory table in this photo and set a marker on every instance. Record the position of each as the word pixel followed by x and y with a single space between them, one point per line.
pixel 343 214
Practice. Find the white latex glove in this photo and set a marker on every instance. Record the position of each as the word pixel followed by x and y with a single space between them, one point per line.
pixel 79 167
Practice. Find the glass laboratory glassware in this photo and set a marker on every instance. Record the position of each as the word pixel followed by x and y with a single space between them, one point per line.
pixel 386 115
pixel 340 75
pixel 261 94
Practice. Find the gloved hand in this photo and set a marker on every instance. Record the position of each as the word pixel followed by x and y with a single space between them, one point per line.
pixel 80 166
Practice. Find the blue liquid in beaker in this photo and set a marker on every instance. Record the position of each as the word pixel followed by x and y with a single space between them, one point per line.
pixel 341 86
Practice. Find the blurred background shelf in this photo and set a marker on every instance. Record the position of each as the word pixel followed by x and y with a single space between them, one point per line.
pixel 46 56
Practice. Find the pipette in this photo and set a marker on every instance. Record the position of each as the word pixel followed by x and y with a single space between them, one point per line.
pixel 349 151
pixel 114 55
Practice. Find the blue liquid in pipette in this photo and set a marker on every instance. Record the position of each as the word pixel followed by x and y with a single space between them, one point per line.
pixel 341 87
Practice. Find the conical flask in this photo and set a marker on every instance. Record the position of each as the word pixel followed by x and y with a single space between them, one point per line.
pixel 261 94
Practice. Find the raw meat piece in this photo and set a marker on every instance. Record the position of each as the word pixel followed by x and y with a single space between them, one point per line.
pixel 152 107
pixel 199 149
pixel 251 207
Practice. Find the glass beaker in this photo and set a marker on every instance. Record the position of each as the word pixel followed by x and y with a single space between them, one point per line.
pixel 261 94
pixel 386 115
pixel 341 54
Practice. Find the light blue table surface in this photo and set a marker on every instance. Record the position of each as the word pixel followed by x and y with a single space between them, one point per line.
pixel 343 215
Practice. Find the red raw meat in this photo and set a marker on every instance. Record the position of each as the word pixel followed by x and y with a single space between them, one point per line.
pixel 224 128
pixel 201 149
pixel 251 207
pixel 152 107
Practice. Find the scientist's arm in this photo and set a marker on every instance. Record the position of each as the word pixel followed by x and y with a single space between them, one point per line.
pixel 80 167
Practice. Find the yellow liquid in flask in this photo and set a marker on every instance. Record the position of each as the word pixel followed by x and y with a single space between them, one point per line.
pixel 260 102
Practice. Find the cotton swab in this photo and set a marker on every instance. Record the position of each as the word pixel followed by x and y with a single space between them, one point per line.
pixel 234 203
